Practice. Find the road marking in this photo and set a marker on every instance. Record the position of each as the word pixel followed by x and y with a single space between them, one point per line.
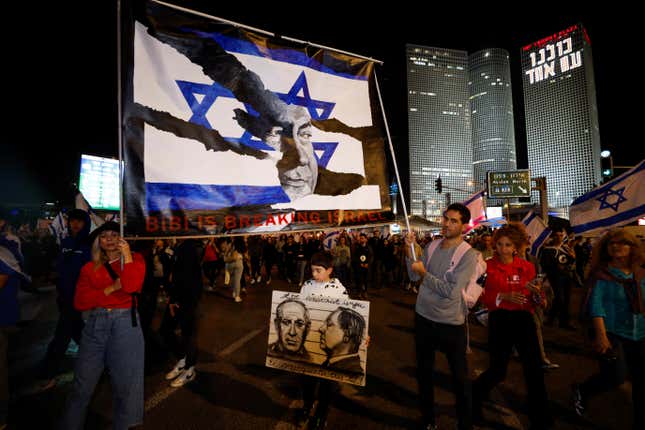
pixel 162 395
pixel 239 343
pixel 159 397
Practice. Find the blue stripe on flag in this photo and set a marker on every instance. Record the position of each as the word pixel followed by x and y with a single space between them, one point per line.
pixel 537 243
pixel 164 196
pixel 473 198
pixel 232 44
pixel 526 221
pixel 609 185
pixel 607 222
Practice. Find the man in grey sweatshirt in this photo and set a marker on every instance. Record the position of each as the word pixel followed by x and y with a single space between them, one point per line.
pixel 440 316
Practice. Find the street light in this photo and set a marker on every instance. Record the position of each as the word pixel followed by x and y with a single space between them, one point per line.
pixel 608 172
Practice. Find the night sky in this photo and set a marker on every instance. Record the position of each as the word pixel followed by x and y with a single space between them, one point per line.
pixel 73 106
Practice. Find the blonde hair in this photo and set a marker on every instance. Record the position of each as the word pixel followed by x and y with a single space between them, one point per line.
pixel 99 256
pixel 600 254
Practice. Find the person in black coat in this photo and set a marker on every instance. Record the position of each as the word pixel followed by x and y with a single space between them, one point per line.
pixel 75 252
pixel 184 293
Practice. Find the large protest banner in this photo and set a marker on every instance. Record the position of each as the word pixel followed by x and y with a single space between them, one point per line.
pixel 230 131
pixel 318 335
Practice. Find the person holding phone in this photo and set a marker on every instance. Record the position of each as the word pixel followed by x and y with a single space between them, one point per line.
pixel 511 295
pixel 112 334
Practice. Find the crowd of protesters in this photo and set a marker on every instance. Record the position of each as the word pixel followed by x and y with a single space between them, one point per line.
pixel 105 287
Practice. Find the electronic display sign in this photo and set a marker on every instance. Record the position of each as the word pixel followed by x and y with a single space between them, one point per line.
pixel 99 182
pixel 552 56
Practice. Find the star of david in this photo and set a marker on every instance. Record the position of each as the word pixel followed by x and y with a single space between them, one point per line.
pixel 318 110
pixel 604 204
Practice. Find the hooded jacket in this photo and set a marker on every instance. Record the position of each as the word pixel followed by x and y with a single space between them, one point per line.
pixel 75 252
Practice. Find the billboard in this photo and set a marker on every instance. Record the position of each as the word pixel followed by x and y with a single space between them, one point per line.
pixel 515 183
pixel 99 182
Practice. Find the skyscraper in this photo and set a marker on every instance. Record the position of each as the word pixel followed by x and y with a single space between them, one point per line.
pixel 561 114
pixel 491 104
pixel 439 127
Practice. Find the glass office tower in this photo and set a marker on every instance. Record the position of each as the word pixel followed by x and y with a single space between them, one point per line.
pixel 439 128
pixel 561 114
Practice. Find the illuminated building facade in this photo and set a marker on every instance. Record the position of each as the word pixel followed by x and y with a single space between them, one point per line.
pixel 491 104
pixel 561 114
pixel 439 127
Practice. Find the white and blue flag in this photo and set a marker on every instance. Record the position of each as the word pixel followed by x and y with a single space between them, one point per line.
pixel 206 99
pixel 331 240
pixel 58 227
pixel 616 203
pixel 537 231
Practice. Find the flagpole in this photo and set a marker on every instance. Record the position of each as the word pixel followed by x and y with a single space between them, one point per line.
pixel 119 111
pixel 396 169
pixel 267 33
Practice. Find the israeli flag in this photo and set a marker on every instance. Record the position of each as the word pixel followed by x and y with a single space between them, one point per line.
pixel 58 228
pixel 180 173
pixel 475 204
pixel 330 240
pixel 613 204
pixel 537 231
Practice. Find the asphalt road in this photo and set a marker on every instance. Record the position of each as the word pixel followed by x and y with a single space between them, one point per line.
pixel 234 390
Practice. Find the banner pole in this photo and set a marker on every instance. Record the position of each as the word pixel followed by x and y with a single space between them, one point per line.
pixel 396 169
pixel 119 108
pixel 259 30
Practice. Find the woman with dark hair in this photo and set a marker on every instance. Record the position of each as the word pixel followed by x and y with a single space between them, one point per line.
pixel 615 303
pixel 512 295
pixel 112 334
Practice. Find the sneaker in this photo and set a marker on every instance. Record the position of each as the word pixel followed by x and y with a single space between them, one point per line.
pixel 186 376
pixel 252 281
pixel 268 281
pixel 179 367
pixel 238 299
pixel 259 278
pixel 577 400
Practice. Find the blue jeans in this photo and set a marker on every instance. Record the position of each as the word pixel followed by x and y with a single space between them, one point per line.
pixel 108 339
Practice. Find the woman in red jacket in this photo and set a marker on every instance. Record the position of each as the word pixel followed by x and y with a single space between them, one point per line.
pixel 511 298
pixel 112 336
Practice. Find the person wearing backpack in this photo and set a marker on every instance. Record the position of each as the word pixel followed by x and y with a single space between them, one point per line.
pixel 615 304
pixel 440 313
pixel 511 295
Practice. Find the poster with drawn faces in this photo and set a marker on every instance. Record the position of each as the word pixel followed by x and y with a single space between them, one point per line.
pixel 319 336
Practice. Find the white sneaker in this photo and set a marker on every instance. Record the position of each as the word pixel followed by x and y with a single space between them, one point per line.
pixel 179 367
pixel 186 376
pixel 259 279
pixel 238 299
pixel 252 281
pixel 268 281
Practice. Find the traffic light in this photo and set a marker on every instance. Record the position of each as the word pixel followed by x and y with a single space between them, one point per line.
pixel 437 185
